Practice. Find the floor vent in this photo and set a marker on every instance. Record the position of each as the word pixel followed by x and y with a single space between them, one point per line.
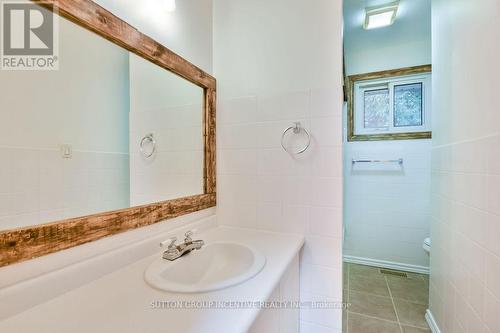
pixel 394 273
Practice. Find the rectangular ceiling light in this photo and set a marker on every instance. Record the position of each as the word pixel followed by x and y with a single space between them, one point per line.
pixel 380 16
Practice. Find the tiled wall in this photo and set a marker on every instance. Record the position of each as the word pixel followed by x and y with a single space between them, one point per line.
pixel 261 186
pixel 39 186
pixel 171 108
pixel 40 110
pixel 176 168
pixel 465 229
pixel 387 206
pixel 270 75
pixel 465 254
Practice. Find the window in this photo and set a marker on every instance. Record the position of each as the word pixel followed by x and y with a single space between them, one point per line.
pixel 408 105
pixel 376 108
pixel 389 107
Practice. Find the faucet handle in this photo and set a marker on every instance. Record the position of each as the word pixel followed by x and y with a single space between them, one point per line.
pixel 171 242
pixel 188 235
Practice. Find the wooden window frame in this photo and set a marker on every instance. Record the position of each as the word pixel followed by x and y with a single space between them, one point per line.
pixel 354 79
pixel 34 241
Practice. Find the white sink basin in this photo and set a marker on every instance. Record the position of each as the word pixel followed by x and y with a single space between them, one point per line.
pixel 216 266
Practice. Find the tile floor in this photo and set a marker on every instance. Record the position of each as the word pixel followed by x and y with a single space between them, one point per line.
pixel 381 303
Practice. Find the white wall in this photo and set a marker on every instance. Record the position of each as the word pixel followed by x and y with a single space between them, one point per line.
pixel 85 104
pixel 465 227
pixel 406 43
pixel 272 72
pixel 171 108
pixel 387 208
pixel 187 31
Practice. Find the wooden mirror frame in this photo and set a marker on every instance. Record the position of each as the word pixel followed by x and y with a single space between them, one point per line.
pixel 34 241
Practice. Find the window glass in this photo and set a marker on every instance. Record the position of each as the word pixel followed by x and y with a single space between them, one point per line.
pixel 408 105
pixel 377 108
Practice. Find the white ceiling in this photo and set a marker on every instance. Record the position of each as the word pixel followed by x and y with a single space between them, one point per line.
pixel 414 17
pixel 412 29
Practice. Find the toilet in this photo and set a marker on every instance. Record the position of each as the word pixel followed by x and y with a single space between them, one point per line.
pixel 427 245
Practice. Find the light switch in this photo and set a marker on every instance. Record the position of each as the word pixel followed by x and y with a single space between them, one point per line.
pixel 66 151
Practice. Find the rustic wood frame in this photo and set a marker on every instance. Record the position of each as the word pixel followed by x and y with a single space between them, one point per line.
pixel 34 241
pixel 351 80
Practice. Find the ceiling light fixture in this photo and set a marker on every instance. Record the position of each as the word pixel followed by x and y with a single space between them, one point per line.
pixel 169 5
pixel 380 16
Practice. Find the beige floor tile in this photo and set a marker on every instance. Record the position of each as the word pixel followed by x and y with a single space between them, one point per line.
pixel 345 296
pixel 416 291
pixel 371 310
pixel 409 329
pixel 344 321
pixel 364 271
pixel 369 285
pixel 371 305
pixel 362 324
pixel 345 271
pixel 411 313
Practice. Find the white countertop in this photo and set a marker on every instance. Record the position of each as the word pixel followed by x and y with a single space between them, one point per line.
pixel 121 301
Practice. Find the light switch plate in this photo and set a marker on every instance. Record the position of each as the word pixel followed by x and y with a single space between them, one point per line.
pixel 66 151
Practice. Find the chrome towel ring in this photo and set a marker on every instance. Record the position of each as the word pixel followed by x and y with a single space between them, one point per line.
pixel 297 128
pixel 148 138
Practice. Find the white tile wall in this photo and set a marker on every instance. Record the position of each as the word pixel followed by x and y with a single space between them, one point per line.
pixel 39 186
pixel 39 111
pixel 176 168
pixel 387 210
pixel 465 227
pixel 261 186
pixel 465 261
pixel 270 75
pixel 387 207
pixel 171 109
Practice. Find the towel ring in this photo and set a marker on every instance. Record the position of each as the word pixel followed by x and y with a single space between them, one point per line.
pixel 297 128
pixel 148 138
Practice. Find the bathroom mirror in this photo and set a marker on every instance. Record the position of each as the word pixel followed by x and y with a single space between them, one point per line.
pixel 120 135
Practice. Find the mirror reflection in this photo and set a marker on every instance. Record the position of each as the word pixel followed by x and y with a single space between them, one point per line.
pixel 71 150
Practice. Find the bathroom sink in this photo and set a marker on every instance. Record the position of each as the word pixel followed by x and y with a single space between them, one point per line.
pixel 215 266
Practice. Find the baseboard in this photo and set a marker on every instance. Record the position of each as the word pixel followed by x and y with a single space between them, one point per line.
pixel 432 323
pixel 387 264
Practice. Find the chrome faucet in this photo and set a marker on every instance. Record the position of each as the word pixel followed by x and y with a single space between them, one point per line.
pixel 174 251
